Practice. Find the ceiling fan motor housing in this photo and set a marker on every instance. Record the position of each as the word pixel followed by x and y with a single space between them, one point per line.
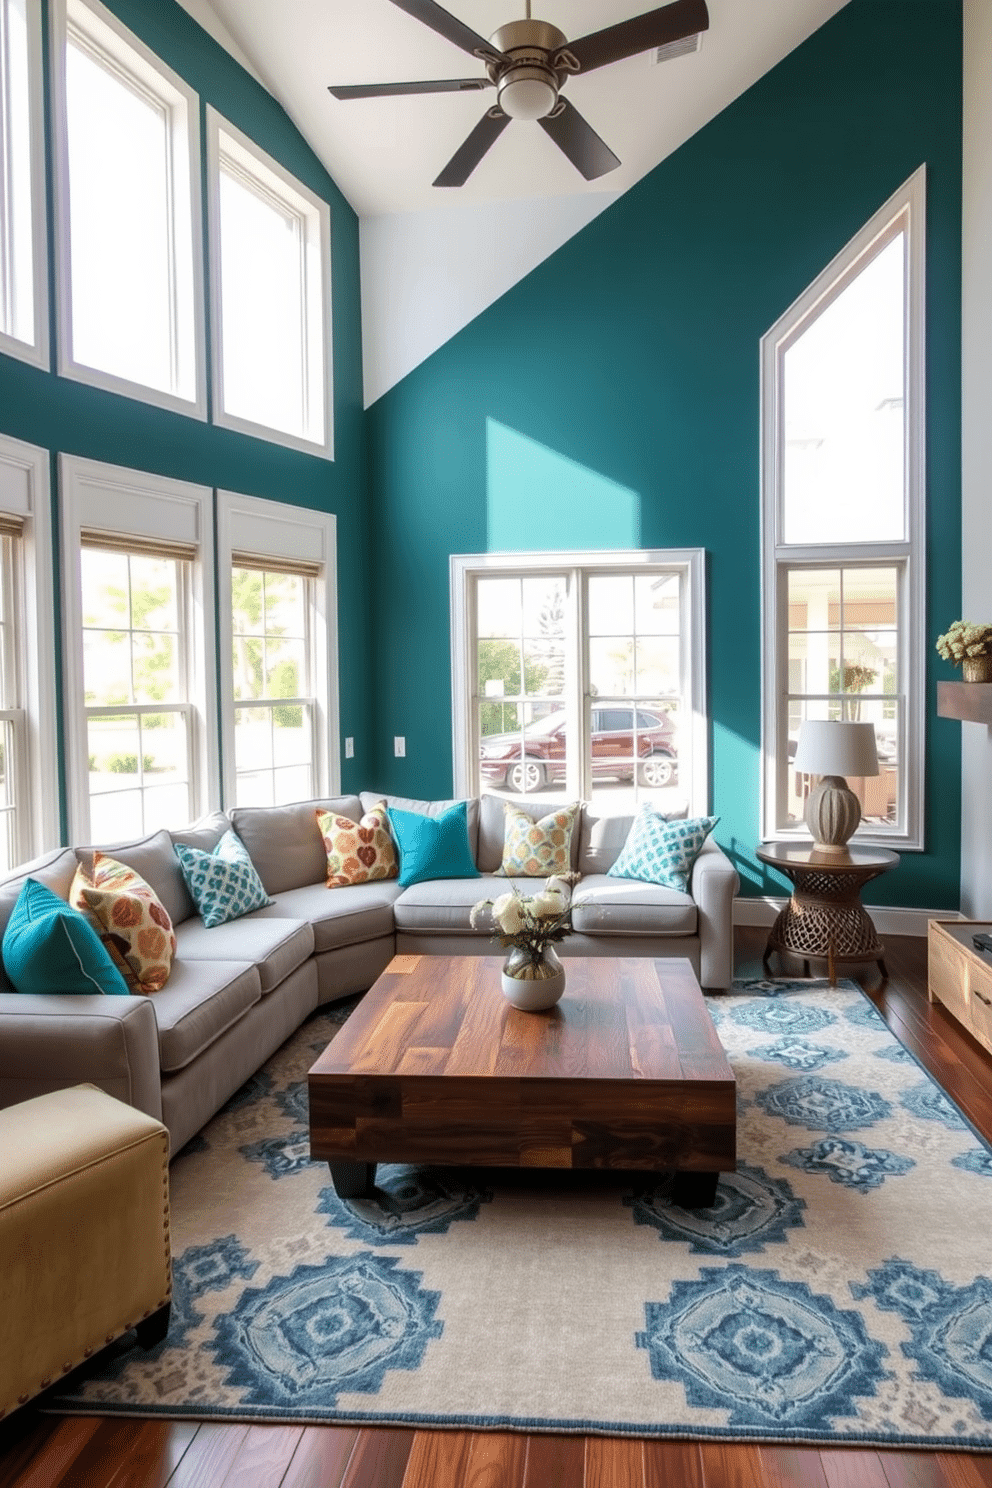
pixel 527 84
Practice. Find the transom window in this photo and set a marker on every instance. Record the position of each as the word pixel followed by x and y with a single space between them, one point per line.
pixel 843 530
pixel 23 264
pixel 270 360
pixel 275 709
pixel 129 214
pixel 580 676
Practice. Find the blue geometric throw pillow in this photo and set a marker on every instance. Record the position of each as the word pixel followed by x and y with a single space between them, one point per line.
pixel 661 851
pixel 224 883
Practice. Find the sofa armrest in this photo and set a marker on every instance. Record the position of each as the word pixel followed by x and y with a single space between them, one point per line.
pixel 713 884
pixel 51 1042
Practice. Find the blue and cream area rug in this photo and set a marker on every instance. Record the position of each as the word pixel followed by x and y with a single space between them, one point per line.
pixel 839 1291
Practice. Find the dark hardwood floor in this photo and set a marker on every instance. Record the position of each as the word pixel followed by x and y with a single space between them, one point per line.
pixel 39 1451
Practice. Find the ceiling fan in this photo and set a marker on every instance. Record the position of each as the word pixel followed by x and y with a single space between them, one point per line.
pixel 528 62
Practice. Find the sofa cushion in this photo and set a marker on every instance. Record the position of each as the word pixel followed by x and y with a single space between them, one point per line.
pixel 339 917
pixel 624 906
pixel 430 808
pixel 284 842
pixel 536 846
pixel 660 851
pixel 357 852
pixel 275 946
pixel 444 904
pixel 602 835
pixel 433 846
pixel 50 947
pixel 201 1000
pixel 492 832
pixel 223 882
pixel 154 860
pixel 130 919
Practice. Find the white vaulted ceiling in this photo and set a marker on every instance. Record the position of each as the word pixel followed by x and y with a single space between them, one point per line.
pixel 432 259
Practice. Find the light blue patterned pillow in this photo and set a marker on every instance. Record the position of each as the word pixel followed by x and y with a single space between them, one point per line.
pixel 661 851
pixel 224 883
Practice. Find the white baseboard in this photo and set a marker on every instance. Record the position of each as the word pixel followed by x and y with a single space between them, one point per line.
pixel 887 919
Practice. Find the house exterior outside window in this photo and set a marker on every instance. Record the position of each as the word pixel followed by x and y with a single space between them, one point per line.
pixel 581 676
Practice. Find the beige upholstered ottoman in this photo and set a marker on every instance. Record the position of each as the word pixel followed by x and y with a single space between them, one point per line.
pixel 84 1234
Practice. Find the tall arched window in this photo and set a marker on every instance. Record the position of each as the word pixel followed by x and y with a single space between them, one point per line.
pixel 843 437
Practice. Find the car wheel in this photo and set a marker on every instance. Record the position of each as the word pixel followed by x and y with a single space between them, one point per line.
pixel 657 770
pixel 525 776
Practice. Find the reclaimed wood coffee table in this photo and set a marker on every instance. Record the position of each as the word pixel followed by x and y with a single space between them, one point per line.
pixel 434 1066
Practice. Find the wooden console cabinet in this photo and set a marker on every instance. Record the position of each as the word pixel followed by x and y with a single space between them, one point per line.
pixel 959 976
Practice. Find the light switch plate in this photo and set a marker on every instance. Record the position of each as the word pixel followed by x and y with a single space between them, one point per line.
pixel 349 748
pixel 399 746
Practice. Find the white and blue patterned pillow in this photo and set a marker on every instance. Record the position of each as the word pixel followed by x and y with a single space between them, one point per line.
pixel 224 883
pixel 661 851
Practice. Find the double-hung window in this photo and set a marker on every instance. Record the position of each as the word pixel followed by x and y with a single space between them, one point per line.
pixel 23 260
pixel 128 212
pixel 580 675
pixel 842 383
pixel 29 818
pixel 276 568
pixel 270 245
pixel 139 625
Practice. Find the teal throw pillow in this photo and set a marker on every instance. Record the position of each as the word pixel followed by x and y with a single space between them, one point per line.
pixel 433 846
pixel 50 947
pixel 224 883
pixel 661 851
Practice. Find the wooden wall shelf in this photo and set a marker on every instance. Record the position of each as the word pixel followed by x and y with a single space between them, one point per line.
pixel 969 701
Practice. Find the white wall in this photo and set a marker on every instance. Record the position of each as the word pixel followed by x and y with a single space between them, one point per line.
pixel 425 275
pixel 976 351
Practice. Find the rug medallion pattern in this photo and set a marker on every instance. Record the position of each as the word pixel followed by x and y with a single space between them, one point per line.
pixel 838 1290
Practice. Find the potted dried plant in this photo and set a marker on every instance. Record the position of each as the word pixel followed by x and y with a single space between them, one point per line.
pixel 969 646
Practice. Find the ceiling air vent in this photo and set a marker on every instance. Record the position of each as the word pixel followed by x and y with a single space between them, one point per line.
pixel 680 48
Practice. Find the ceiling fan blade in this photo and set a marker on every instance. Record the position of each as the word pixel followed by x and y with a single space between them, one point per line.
pixel 466 158
pixel 579 141
pixel 640 34
pixel 450 28
pixel 397 90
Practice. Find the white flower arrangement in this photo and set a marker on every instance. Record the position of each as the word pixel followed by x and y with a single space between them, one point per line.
pixel 530 922
pixel 963 640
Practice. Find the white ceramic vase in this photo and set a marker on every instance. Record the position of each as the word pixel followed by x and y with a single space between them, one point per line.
pixel 530 985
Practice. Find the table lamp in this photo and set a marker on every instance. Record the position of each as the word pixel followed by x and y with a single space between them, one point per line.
pixel 833 749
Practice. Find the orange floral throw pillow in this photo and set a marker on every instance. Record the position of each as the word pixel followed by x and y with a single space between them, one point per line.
pixel 130 920
pixel 357 852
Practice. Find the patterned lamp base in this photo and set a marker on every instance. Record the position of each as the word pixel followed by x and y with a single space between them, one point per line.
pixel 832 814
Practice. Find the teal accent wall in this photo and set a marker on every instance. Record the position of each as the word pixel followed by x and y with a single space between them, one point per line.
pixel 61 415
pixel 612 397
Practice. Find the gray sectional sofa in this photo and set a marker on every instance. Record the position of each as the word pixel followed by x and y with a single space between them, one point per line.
pixel 237 991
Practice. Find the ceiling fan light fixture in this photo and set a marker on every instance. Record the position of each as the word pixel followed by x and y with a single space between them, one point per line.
pixel 526 93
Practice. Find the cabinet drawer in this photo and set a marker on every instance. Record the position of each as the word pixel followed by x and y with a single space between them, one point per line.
pixel 979 983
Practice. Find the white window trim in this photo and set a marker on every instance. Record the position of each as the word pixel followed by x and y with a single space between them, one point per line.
pixel 272 529
pixel 464 568
pixel 167 82
pixel 36 351
pixel 908 204
pixel 95 495
pixel 25 491
pixel 317 264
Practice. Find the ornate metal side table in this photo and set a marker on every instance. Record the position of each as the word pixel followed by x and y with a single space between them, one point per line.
pixel 824 919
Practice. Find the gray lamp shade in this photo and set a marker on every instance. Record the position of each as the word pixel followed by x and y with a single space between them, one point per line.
pixel 832 747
